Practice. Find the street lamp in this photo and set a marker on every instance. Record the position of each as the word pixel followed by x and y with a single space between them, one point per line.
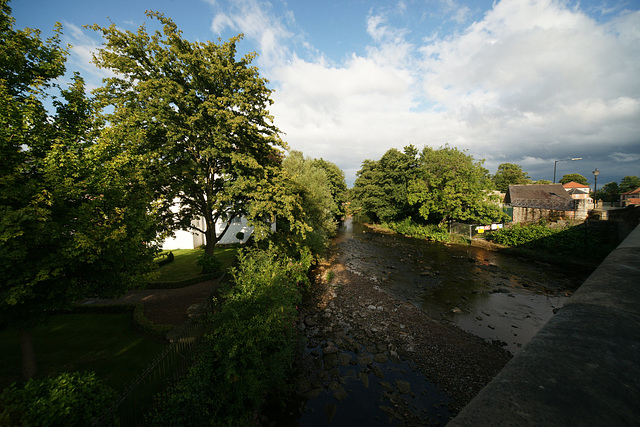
pixel 595 191
pixel 563 160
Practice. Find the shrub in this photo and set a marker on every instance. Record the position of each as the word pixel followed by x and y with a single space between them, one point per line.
pixel 251 350
pixel 423 231
pixel 69 399
pixel 569 240
pixel 168 259
pixel 209 263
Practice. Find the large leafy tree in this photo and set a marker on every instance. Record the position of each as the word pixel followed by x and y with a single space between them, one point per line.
pixel 610 192
pixel 380 190
pixel 575 177
pixel 74 217
pixel 509 174
pixel 337 185
pixel 196 116
pixel 453 186
pixel 629 183
pixel 312 184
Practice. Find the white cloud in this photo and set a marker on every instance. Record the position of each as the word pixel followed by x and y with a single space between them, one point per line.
pixel 255 20
pixel 625 157
pixel 529 83
pixel 81 54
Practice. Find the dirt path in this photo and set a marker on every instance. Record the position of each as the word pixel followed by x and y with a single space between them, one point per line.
pixel 167 306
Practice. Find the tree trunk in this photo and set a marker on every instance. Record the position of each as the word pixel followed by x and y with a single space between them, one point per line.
pixel 28 354
pixel 210 242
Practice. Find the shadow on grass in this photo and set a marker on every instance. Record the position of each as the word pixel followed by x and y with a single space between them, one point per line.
pixel 107 344
pixel 185 267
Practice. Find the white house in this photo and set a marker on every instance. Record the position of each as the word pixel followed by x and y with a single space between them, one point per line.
pixel 184 239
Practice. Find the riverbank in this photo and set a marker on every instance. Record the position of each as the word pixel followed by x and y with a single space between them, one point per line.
pixel 366 349
pixel 573 261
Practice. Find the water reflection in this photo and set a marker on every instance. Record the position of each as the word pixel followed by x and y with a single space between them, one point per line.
pixel 495 296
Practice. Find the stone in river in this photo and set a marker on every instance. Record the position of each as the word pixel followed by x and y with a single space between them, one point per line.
pixel 380 358
pixel 403 386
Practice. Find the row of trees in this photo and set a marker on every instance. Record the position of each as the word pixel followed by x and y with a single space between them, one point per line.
pixel 429 186
pixel 86 190
pixel 611 191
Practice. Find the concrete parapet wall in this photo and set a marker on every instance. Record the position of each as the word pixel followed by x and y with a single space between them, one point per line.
pixel 583 367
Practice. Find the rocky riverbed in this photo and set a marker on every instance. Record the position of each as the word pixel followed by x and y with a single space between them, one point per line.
pixel 369 358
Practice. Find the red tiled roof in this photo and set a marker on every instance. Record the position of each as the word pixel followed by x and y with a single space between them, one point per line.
pixel 637 190
pixel 574 184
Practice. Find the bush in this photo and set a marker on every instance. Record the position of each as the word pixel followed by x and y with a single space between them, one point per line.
pixel 569 240
pixel 252 349
pixel 209 263
pixel 409 228
pixel 69 399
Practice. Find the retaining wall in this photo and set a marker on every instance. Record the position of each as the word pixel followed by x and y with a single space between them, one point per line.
pixel 583 367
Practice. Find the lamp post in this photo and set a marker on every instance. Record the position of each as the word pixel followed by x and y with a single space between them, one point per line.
pixel 595 191
pixel 563 160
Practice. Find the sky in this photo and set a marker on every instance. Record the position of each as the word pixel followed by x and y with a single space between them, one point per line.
pixel 531 82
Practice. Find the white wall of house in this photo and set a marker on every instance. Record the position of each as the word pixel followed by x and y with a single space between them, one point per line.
pixel 192 239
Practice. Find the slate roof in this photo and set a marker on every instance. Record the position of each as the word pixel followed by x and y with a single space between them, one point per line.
pixel 547 196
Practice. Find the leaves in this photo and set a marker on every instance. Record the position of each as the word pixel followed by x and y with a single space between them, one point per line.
pixel 195 117
pixel 509 174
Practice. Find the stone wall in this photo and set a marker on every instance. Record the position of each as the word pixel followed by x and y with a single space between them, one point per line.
pixel 583 366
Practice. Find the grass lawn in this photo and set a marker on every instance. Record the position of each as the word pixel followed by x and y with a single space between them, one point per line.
pixel 104 343
pixel 184 263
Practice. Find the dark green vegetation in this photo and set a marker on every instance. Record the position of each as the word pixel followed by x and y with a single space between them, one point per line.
pixel 106 344
pixel 577 242
pixel 252 349
pixel 433 232
pixel 65 399
pixel 575 177
pixel 75 216
pixel 86 192
pixel 611 191
pixel 509 174
pixel 433 186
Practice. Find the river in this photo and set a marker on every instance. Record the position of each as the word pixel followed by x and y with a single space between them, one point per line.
pixel 373 354
pixel 495 296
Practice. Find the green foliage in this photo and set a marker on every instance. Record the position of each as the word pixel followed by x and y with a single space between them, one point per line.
pixel 575 177
pixel 509 174
pixel 195 117
pixel 629 183
pixel 310 182
pixel 433 232
pixel 69 399
pixel 74 215
pixel 209 263
pixel 521 234
pixel 381 188
pixel 251 350
pixel 542 182
pixel 337 185
pixel 451 185
pixel 576 241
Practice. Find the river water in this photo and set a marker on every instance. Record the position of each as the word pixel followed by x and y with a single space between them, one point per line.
pixel 495 296
pixel 350 377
